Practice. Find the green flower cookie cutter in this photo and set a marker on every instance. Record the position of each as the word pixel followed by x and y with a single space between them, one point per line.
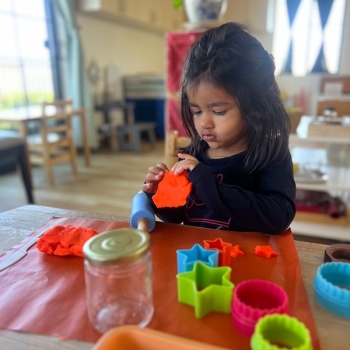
pixel 280 329
pixel 206 288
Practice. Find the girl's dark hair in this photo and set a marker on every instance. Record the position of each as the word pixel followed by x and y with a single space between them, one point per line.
pixel 230 58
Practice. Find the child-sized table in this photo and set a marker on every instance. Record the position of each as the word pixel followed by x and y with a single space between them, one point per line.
pixel 46 295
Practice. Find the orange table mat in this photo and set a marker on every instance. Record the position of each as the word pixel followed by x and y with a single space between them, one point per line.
pixel 45 294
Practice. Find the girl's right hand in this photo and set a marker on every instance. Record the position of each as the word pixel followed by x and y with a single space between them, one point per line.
pixel 154 176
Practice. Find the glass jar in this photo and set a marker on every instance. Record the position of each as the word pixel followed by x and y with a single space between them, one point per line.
pixel 118 278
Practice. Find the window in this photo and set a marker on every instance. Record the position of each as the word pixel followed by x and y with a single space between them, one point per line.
pixel 25 66
pixel 312 43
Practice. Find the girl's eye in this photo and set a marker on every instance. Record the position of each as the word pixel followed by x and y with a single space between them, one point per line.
pixel 195 112
pixel 219 112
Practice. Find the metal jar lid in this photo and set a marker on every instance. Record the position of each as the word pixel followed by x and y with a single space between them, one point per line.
pixel 116 247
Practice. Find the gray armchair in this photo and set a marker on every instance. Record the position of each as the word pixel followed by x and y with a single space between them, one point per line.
pixel 12 155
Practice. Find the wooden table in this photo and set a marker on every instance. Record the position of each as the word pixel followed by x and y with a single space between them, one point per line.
pixel 22 116
pixel 16 224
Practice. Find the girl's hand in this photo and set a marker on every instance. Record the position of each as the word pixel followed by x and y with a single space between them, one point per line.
pixel 188 163
pixel 154 176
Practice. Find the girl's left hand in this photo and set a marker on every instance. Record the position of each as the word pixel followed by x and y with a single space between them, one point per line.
pixel 188 163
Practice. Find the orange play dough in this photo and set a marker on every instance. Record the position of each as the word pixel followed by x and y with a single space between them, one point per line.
pixel 265 251
pixel 235 251
pixel 173 190
pixel 65 240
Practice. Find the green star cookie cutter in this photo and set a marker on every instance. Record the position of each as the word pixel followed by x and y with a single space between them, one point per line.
pixel 206 288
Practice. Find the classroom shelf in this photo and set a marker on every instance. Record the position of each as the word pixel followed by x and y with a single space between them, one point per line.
pixel 316 152
pixel 341 233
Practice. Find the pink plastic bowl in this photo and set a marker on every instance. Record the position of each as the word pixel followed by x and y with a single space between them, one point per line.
pixel 253 299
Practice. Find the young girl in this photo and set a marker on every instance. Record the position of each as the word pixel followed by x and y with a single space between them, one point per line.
pixel 238 159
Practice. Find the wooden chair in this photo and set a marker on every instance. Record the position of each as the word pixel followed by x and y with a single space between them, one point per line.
pixel 55 144
pixel 172 144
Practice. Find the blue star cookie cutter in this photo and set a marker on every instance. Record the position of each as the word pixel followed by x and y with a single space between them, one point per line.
pixel 186 258
pixel 206 288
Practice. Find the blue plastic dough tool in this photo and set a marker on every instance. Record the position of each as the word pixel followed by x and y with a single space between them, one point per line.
pixel 142 213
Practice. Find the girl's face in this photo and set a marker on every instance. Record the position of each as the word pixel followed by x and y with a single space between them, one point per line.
pixel 218 121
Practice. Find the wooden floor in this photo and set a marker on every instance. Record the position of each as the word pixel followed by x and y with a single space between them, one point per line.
pixel 106 187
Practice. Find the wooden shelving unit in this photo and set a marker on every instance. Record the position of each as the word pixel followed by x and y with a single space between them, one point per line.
pixel 321 230
pixel 312 150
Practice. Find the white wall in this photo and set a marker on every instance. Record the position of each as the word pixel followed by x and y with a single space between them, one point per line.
pixel 132 50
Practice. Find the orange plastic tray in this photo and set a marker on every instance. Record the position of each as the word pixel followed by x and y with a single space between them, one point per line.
pixel 135 338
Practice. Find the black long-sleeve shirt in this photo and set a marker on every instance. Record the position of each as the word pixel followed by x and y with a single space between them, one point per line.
pixel 224 197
